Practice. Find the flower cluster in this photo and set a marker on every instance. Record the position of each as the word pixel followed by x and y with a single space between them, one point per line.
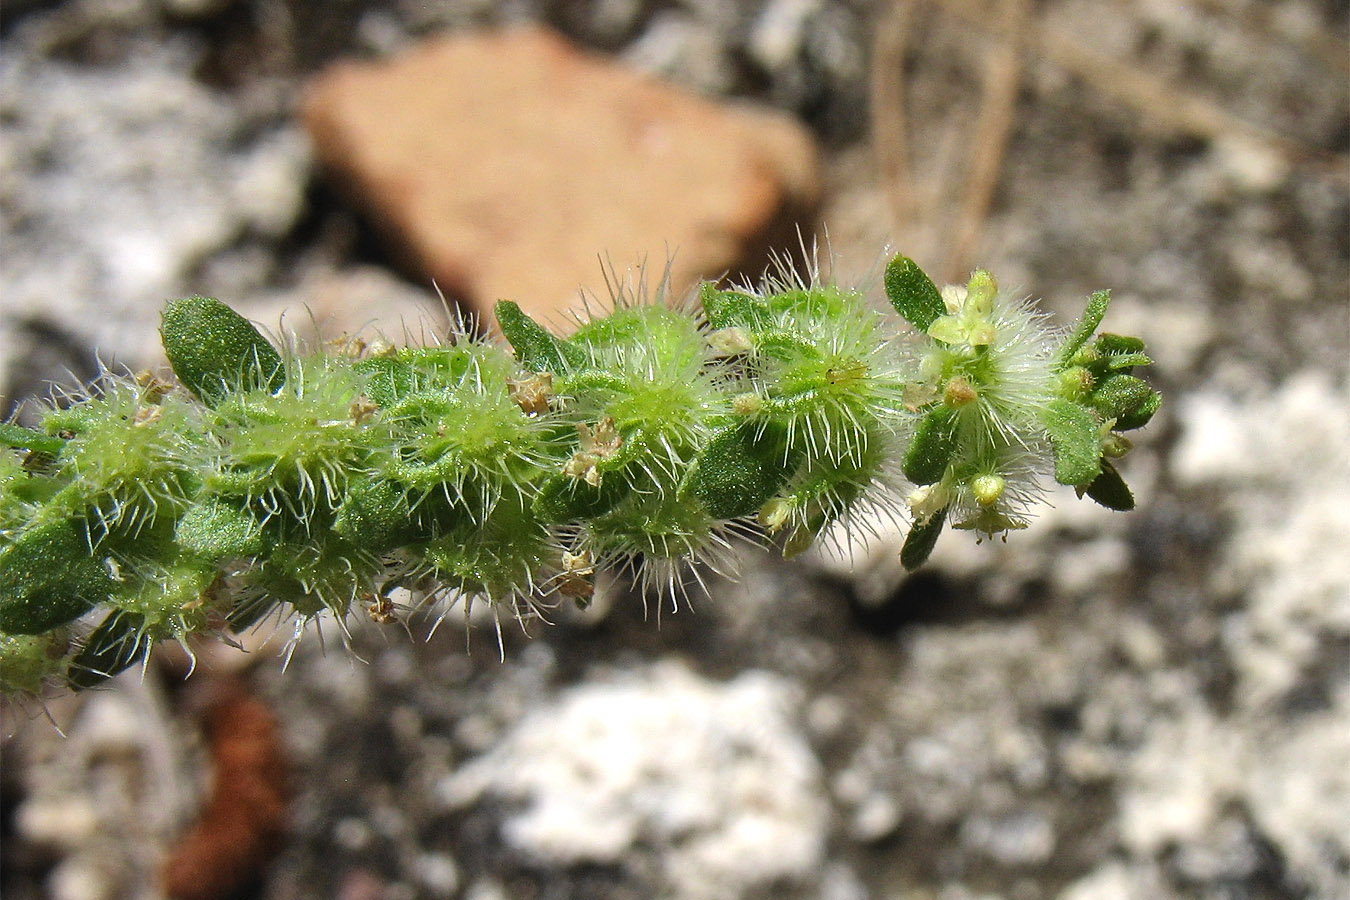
pixel 279 483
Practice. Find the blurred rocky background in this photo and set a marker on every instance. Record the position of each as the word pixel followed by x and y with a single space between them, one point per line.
pixel 1106 707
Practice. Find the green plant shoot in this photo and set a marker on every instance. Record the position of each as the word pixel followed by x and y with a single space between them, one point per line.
pixel 268 483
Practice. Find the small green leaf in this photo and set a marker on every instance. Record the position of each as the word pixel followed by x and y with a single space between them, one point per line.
pixel 736 473
pixel 215 351
pixel 727 309
pixel 48 578
pixel 1110 490
pixel 1141 414
pixel 1092 317
pixel 215 529
pixel 535 348
pixel 1076 441
pixel 112 647
pixel 1109 344
pixel 1125 362
pixel 913 293
pixel 374 515
pixel 933 447
pixel 921 540
pixel 564 498
pixel 1120 396
pixel 27 439
pixel 1118 353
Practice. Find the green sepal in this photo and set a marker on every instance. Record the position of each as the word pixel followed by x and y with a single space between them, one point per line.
pixel 214 351
pixel 49 578
pixel 913 293
pixel 536 349
pixel 215 529
pixel 1076 440
pixel 921 540
pixel 736 472
pixel 1092 317
pixel 1141 414
pixel 1121 396
pixel 21 438
pixel 1110 490
pixel 112 647
pixel 933 447
pixel 564 498
pixel 375 516
pixel 727 309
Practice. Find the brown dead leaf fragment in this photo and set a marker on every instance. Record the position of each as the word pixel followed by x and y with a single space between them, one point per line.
pixel 243 820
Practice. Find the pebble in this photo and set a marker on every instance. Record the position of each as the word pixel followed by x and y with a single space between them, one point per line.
pixel 500 163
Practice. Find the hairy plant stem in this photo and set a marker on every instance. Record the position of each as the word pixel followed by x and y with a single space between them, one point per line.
pixel 281 484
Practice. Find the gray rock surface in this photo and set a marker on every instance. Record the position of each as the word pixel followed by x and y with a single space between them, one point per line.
pixel 118 185
pixel 712 778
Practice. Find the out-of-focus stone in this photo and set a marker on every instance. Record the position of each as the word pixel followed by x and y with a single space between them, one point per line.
pixel 713 776
pixel 503 163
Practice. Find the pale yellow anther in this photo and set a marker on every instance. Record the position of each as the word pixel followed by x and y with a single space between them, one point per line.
pixel 747 404
pixel 774 514
pixel 987 489
pixel 1115 445
pixel 981 334
pixel 948 329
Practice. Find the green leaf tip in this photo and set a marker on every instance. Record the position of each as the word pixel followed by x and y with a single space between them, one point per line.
pixel 214 351
pixel 375 515
pixel 1141 415
pixel 728 309
pixel 113 647
pixel 921 540
pixel 1092 317
pixel 1122 396
pixel 564 498
pixel 913 293
pixel 536 349
pixel 21 438
pixel 1108 489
